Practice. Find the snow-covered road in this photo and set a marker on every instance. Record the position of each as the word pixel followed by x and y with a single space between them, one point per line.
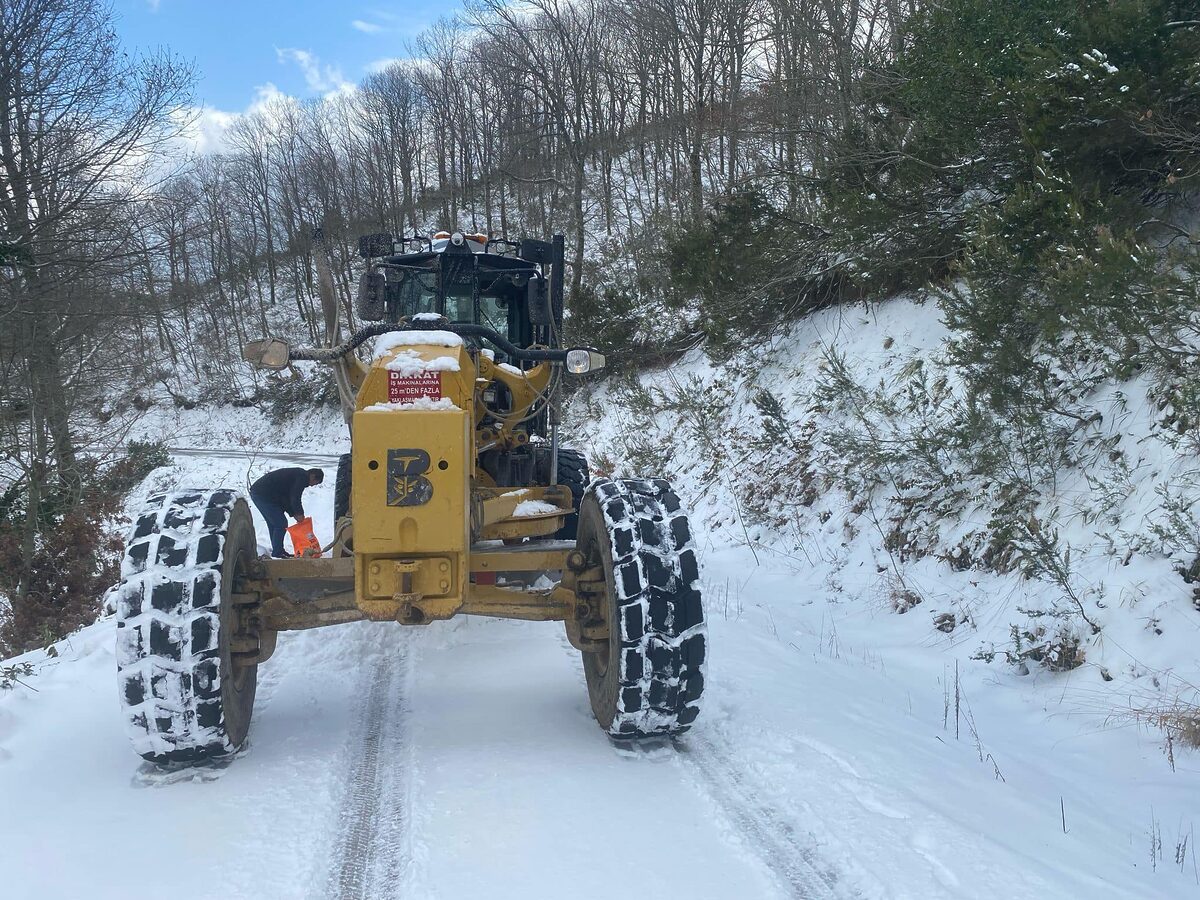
pixel 461 761
pixel 455 762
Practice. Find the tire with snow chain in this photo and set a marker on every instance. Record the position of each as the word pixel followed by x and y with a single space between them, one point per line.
pixel 341 488
pixel 184 694
pixel 572 472
pixel 648 676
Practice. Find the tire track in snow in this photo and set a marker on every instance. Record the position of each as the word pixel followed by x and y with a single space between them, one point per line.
pixel 789 854
pixel 373 848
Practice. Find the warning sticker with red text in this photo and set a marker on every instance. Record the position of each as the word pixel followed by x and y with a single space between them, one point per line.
pixel 407 388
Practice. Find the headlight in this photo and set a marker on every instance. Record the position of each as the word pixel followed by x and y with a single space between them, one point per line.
pixel 457 239
pixel 580 361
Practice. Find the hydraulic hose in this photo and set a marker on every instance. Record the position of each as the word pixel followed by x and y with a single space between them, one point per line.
pixel 330 354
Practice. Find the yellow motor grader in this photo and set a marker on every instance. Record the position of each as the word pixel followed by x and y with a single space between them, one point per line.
pixel 455 500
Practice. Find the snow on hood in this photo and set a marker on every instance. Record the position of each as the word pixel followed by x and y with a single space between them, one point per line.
pixel 394 339
pixel 409 362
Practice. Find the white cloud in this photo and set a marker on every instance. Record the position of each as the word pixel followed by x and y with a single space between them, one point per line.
pixel 380 64
pixel 206 133
pixel 208 126
pixel 382 21
pixel 205 128
pixel 323 79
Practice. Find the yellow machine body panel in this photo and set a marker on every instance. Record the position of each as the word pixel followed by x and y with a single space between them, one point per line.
pixel 412 467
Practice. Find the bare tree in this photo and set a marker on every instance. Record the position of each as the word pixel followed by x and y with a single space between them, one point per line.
pixel 82 129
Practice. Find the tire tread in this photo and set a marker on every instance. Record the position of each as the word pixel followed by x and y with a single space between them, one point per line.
pixel 660 616
pixel 168 615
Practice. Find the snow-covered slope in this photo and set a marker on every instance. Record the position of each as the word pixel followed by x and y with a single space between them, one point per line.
pixel 843 750
pixel 780 505
pixel 787 483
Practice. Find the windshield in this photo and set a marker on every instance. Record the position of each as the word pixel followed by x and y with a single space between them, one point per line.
pixel 418 293
pixel 493 303
pixel 491 307
pixel 460 306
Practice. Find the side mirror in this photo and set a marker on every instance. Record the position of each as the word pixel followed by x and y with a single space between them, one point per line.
pixel 541 252
pixel 582 360
pixel 372 291
pixel 537 299
pixel 373 245
pixel 269 353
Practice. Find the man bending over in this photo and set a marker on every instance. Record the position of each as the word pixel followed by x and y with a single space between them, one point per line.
pixel 279 492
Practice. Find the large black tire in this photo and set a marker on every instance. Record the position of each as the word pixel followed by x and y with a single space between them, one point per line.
pixel 341 489
pixel 572 472
pixel 648 678
pixel 183 697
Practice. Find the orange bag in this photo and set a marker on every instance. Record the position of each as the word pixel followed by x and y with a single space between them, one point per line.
pixel 304 542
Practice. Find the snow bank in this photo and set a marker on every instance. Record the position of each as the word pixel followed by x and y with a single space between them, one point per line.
pixel 775 482
pixel 798 552
pixel 243 429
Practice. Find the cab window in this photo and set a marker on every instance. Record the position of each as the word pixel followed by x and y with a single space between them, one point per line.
pixel 460 306
pixel 418 293
pixel 493 312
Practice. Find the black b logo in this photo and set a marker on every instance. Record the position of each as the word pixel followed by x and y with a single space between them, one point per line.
pixel 406 481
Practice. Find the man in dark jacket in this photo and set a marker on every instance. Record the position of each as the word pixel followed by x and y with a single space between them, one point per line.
pixel 280 492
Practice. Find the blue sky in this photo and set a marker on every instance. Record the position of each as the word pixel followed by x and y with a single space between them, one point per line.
pixel 304 48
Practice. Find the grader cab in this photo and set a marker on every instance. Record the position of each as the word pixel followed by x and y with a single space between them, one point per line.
pixel 456 499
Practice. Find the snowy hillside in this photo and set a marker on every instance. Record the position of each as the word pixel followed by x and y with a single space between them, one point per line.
pixel 784 480
pixel 844 750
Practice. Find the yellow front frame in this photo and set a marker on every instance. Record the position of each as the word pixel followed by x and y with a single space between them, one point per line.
pixel 415 505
